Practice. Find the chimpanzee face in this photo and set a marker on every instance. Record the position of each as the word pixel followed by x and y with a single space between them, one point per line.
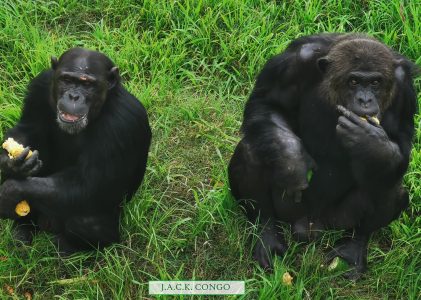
pixel 360 74
pixel 82 80
pixel 363 91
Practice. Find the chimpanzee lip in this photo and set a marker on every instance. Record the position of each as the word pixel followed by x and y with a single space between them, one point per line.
pixel 70 118
pixel 368 115
pixel 364 114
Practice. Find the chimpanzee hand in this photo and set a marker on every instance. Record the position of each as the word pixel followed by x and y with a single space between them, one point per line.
pixel 11 194
pixel 269 244
pixel 360 136
pixel 291 175
pixel 20 167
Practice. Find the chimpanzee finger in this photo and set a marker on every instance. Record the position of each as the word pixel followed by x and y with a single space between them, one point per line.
pixel 36 168
pixel 345 122
pixel 263 257
pixel 352 116
pixel 340 130
pixel 30 162
pixel 341 109
pixel 4 158
pixel 22 156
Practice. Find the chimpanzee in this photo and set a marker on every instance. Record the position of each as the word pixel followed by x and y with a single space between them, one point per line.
pixel 90 139
pixel 327 135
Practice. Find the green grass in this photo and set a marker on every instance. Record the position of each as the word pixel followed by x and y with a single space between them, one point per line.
pixel 193 64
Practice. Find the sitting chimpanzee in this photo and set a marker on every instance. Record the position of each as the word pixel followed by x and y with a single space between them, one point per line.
pixel 90 139
pixel 339 107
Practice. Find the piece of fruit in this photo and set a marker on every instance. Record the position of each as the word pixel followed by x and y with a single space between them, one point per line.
pixel 337 264
pixel 22 208
pixel 287 279
pixel 374 119
pixel 14 148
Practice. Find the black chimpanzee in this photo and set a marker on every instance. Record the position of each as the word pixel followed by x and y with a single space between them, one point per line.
pixel 90 139
pixel 315 109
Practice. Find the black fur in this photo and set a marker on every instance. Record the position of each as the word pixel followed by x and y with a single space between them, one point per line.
pixel 291 126
pixel 84 178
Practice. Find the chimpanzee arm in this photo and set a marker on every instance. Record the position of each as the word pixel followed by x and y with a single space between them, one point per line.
pixel 92 185
pixel 271 114
pixel 95 182
pixel 374 157
pixel 273 143
pixel 71 191
pixel 380 153
pixel 31 131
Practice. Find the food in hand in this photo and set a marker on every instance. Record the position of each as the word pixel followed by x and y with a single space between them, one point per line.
pixel 22 209
pixel 14 148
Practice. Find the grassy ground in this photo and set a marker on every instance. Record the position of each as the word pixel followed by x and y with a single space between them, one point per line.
pixel 193 64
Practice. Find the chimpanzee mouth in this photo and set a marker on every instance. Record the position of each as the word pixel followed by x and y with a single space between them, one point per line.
pixel 366 113
pixel 69 118
pixel 372 115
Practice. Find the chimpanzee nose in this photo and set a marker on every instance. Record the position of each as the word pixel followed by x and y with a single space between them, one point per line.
pixel 365 100
pixel 73 97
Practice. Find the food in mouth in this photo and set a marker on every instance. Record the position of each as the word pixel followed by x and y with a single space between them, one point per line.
pixel 346 113
pixel 374 119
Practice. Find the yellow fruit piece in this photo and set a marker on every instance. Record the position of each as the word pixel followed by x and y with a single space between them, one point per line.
pixel 22 209
pixel 287 279
pixel 14 148
pixel 375 119
pixel 337 264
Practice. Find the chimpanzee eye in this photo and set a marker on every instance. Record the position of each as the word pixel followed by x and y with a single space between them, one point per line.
pixel 353 82
pixel 66 79
pixel 375 82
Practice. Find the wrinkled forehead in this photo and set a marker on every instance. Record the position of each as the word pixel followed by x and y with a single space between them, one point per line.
pixel 86 62
pixel 364 54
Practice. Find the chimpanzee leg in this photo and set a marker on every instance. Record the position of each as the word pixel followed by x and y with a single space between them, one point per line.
pixel 85 232
pixel 386 206
pixel 348 215
pixel 24 229
pixel 250 185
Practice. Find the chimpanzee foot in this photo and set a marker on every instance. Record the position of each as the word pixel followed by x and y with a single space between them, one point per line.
pixel 269 244
pixel 23 233
pixel 64 247
pixel 354 252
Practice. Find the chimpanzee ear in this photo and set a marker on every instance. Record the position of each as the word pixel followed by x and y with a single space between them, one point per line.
pixel 399 69
pixel 404 68
pixel 113 77
pixel 322 63
pixel 54 62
